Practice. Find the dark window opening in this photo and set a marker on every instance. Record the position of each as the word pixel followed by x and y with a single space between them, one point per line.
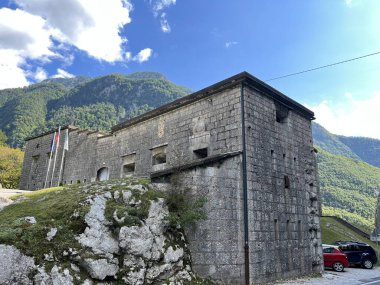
pixel 71 182
pixel 38 145
pixel 201 153
pixel 129 168
pixel 299 226
pixel 288 229
pixel 272 152
pixel 84 180
pixel 159 158
pixel 282 113
pixel 286 182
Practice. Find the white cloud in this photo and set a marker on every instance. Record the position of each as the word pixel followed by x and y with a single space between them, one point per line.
pixel 24 33
pixel 158 7
pixel 63 74
pixel 165 27
pixel 11 75
pixel 90 25
pixel 143 55
pixel 353 117
pixel 40 74
pixel 229 44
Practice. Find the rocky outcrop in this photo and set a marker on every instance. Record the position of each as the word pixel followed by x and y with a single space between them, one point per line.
pixel 126 238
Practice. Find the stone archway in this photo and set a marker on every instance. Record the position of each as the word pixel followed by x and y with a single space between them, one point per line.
pixel 102 174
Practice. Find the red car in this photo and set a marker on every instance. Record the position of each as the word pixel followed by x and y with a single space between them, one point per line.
pixel 335 258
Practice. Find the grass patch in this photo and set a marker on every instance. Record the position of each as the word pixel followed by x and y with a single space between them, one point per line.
pixel 333 231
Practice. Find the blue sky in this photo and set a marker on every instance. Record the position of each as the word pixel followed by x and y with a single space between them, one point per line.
pixel 199 42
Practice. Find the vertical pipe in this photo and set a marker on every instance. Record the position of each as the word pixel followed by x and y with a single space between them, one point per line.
pixel 245 188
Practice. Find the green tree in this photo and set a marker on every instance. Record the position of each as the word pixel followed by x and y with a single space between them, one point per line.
pixel 10 166
pixel 3 138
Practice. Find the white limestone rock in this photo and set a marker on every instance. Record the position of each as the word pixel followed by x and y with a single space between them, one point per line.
pixel 126 196
pixel 156 220
pixel 57 276
pixel 97 235
pixel 51 234
pixel 30 220
pixel 14 266
pixel 173 255
pixel 101 268
pixel 135 277
pixel 136 240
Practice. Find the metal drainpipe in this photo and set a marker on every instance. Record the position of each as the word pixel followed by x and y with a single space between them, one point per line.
pixel 245 189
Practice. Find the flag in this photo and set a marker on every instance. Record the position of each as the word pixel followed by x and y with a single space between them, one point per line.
pixel 52 146
pixel 66 143
pixel 55 140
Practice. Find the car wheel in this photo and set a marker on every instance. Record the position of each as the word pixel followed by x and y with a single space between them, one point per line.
pixel 368 264
pixel 339 267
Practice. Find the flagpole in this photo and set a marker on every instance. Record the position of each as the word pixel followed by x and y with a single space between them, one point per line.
pixel 65 148
pixel 55 157
pixel 48 168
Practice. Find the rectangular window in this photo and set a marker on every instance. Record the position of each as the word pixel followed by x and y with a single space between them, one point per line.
pixel 128 167
pixel 288 229
pixel 200 153
pixel 276 230
pixel 159 155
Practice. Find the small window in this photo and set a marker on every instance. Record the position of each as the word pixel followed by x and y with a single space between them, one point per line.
pixel 159 155
pixel 201 153
pixel 288 229
pixel 286 182
pixel 128 169
pixel 159 158
pixel 38 145
pixel 282 113
pixel 129 164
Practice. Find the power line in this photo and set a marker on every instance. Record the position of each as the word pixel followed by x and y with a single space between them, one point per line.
pixel 324 66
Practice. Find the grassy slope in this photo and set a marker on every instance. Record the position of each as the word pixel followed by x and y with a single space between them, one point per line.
pixel 349 188
pixel 333 231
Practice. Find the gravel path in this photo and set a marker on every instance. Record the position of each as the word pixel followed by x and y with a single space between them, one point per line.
pixel 351 276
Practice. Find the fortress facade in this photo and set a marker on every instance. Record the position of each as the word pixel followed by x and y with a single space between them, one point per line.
pixel 244 146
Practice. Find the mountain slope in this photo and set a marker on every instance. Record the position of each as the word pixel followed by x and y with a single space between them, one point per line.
pixel 362 148
pixel 366 148
pixel 330 142
pixel 348 187
pixel 97 103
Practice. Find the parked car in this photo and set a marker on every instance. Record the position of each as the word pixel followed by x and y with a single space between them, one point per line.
pixel 358 253
pixel 333 257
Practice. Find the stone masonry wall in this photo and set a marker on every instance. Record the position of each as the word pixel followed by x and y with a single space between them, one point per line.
pixel 285 238
pixel 217 243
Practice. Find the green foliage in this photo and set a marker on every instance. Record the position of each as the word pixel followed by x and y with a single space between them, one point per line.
pixel 97 103
pixel 3 138
pixel 184 210
pixel 333 231
pixel 366 148
pixel 349 188
pixel 10 166
pixel 52 208
pixel 360 148
pixel 331 142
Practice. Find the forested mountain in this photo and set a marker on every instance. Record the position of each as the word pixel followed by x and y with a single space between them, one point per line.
pixel 366 149
pixel 349 188
pixel 95 103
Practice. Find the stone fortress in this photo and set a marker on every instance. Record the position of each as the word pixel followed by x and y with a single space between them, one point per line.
pixel 243 145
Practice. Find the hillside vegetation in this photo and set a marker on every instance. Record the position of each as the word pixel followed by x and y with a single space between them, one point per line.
pixel 96 103
pixel 10 164
pixel 366 149
pixel 349 188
